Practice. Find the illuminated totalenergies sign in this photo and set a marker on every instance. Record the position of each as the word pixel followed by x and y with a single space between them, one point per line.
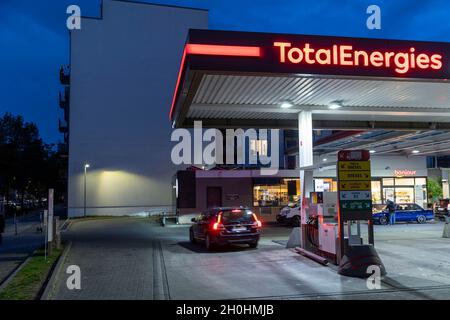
pixel 231 52
pixel 346 55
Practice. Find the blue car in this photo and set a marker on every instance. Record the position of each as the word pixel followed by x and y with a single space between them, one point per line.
pixel 404 212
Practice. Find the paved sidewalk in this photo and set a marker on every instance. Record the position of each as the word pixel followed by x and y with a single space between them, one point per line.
pixel 118 259
pixel 16 248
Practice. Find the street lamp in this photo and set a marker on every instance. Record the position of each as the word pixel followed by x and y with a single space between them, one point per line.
pixel 86 165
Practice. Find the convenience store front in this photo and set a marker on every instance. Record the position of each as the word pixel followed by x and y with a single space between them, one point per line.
pixel 400 179
pixel 398 189
pixel 402 188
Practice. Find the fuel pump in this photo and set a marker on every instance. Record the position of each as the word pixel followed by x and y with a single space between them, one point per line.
pixel 355 205
pixel 321 227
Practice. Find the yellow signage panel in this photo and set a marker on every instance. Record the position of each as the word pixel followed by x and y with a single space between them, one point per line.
pixel 354 185
pixel 354 175
pixel 354 165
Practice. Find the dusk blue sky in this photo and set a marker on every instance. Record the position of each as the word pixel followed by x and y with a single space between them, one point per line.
pixel 34 38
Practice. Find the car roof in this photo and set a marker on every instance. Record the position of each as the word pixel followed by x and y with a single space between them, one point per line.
pixel 217 209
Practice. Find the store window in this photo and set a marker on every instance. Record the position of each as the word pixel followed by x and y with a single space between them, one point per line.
pixel 404 195
pixel 420 192
pixel 404 181
pixel 276 195
pixel 376 192
pixel 404 190
pixel 421 181
pixel 325 184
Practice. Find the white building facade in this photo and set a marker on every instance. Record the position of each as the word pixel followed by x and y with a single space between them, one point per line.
pixel 123 71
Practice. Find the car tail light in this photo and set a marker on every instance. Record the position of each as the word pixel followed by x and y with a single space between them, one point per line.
pixel 217 225
pixel 257 222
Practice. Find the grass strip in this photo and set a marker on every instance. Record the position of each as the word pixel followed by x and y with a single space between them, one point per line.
pixel 27 283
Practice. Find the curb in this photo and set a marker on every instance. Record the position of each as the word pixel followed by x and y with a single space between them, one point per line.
pixel 54 277
pixel 66 225
pixel 13 273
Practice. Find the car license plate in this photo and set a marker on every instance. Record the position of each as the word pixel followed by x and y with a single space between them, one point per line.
pixel 239 229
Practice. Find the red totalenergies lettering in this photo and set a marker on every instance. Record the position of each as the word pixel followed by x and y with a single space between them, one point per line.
pixel 345 55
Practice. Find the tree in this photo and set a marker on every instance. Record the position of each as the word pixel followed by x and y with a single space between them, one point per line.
pixel 434 189
pixel 27 165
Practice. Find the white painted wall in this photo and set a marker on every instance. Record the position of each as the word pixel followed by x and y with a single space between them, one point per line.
pixel 123 73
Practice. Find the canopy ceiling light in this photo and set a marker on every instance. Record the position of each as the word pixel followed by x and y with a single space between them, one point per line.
pixel 335 105
pixel 286 105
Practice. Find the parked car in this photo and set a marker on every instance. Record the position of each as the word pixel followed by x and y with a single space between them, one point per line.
pixel 442 209
pixel 404 212
pixel 290 214
pixel 231 225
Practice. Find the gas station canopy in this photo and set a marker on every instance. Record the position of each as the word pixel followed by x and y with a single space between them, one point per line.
pixel 242 79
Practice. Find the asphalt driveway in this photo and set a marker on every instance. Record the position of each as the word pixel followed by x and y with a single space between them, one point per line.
pixel 133 258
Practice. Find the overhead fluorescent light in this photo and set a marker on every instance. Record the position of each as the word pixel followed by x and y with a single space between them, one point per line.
pixel 334 105
pixel 415 151
pixel 372 151
pixel 285 105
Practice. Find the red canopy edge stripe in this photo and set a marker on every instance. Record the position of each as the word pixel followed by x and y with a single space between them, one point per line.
pixel 212 49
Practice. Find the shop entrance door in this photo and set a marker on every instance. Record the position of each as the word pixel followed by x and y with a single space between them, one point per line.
pixel 388 194
pixel 213 197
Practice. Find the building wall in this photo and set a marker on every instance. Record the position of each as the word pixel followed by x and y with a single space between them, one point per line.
pixel 231 185
pixel 123 73
pixel 240 186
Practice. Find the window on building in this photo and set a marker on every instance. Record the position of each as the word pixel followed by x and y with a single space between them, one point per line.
pixel 376 192
pixel 258 147
pixel 325 184
pixel 404 181
pixel 291 162
pixel 421 181
pixel 276 195
pixel 404 195
pixel 404 190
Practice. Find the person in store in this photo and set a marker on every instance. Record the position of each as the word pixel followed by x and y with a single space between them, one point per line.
pixel 390 206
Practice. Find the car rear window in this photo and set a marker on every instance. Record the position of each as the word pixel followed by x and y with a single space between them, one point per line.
pixel 237 216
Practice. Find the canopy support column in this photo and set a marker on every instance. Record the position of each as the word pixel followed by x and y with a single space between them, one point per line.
pixel 305 140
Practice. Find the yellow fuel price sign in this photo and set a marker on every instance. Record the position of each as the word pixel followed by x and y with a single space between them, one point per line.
pixel 355 175
pixel 354 185
pixel 354 165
